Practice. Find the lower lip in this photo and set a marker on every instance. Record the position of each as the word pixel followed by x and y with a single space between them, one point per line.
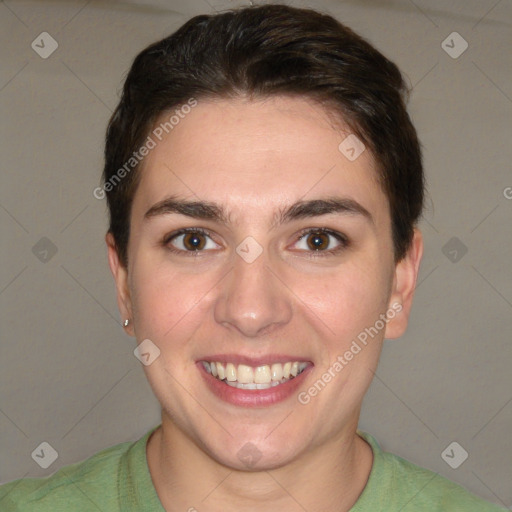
pixel 252 397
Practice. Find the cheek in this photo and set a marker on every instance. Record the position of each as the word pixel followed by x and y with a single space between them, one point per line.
pixel 346 301
pixel 170 304
pixel 167 301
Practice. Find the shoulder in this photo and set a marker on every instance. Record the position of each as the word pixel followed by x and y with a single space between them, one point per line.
pixel 398 484
pixel 87 485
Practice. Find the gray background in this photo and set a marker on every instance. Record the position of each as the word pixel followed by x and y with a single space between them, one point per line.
pixel 68 374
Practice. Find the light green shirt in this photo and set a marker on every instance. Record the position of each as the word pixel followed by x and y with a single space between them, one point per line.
pixel 118 480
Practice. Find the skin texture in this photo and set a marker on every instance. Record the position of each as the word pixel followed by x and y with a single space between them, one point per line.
pixel 253 157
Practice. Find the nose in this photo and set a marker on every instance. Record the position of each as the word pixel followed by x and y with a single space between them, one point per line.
pixel 252 300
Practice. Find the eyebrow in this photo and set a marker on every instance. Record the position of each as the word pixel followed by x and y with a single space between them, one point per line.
pixel 301 209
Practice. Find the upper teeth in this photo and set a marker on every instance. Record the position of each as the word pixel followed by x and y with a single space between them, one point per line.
pixel 261 377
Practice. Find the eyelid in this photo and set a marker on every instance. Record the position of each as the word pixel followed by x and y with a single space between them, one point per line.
pixel 340 237
pixel 183 231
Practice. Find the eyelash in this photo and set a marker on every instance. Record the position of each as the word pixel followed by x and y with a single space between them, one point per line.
pixel 344 242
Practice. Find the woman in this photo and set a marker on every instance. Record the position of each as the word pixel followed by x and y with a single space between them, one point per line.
pixel 264 183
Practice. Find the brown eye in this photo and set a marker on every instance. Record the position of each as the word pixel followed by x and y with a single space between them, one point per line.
pixel 193 242
pixel 317 241
pixel 189 240
pixel 321 241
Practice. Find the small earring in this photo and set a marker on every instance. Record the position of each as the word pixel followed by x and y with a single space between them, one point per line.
pixel 126 322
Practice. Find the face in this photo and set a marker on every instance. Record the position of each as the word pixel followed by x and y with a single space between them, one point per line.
pixel 287 258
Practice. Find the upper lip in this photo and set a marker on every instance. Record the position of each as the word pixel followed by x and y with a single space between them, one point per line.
pixel 253 361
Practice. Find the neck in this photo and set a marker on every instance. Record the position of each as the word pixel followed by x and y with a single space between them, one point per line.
pixel 328 477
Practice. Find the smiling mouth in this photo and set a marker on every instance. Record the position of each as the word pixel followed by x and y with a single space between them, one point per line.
pixel 260 377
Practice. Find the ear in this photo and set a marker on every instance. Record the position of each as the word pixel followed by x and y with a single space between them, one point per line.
pixel 404 284
pixel 120 273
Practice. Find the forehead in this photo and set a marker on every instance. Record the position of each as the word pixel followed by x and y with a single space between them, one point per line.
pixel 255 156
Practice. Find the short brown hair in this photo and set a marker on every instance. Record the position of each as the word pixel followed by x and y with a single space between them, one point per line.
pixel 260 51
